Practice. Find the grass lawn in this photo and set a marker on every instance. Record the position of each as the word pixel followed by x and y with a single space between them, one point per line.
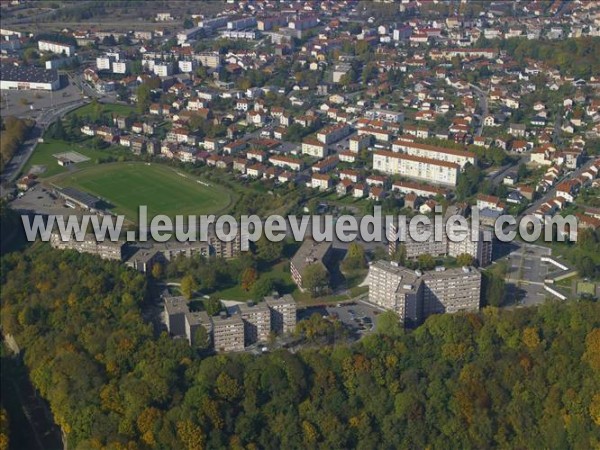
pixel 279 273
pixel 126 185
pixel 110 108
pixel 42 155
pixel 584 287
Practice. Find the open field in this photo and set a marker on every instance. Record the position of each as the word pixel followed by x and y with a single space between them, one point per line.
pixel 163 189
pixel 43 155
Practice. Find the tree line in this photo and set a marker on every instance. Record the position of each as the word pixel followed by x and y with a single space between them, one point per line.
pixel 13 132
pixel 525 378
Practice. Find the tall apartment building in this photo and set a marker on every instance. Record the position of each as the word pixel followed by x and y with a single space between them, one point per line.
pixel 257 322
pixel 175 310
pixel 246 325
pixel 451 290
pixel 228 334
pixel 415 295
pixel 310 252
pixel 195 320
pixel 412 243
pixel 416 167
pixel 283 313
pixel 105 250
pixel 396 288
pixel 480 249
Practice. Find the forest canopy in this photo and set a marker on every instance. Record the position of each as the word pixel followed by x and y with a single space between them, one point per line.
pixel 578 57
pixel 521 378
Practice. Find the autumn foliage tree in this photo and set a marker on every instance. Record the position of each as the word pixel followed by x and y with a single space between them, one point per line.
pixel 499 378
pixel 249 277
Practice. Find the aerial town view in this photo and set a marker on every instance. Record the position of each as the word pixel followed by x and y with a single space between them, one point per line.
pixel 266 224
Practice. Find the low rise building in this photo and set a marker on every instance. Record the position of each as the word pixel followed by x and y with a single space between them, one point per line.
pixel 417 167
pixel 310 252
pixel 104 249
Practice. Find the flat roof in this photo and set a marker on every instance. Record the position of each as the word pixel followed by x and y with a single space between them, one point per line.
pixel 80 197
pixel 310 252
pixel 176 305
pixel 27 74
pixel 434 162
pixel 198 318
pixel 257 307
pixel 283 300
pixel 231 320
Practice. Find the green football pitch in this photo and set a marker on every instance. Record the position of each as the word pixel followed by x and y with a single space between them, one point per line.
pixel 162 189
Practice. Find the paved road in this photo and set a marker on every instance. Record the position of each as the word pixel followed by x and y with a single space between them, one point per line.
pixel 552 192
pixel 556 130
pixel 483 106
pixel 44 119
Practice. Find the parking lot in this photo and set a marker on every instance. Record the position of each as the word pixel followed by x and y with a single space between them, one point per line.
pixel 526 274
pixel 359 317
pixel 41 201
pixel 27 103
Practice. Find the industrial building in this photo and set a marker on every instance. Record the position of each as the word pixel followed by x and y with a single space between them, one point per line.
pixel 28 77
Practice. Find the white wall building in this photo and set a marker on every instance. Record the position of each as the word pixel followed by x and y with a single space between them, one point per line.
pixel 56 47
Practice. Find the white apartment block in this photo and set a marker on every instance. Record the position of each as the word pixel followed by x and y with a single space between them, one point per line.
pixel 357 143
pixel 286 162
pixel 209 59
pixel 385 115
pixel 332 134
pixel 378 134
pixel 416 247
pixel 187 66
pixel 460 157
pixel 479 248
pixel 56 47
pixel 104 62
pixel 163 69
pixel 320 181
pixel 419 168
pixel 313 147
pixel 121 67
